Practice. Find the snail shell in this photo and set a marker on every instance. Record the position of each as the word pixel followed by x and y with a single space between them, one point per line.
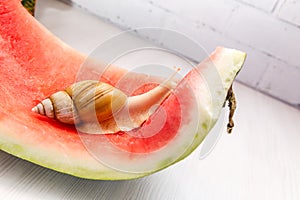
pixel 82 102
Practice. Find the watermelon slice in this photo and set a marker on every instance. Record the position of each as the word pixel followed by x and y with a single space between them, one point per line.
pixel 34 64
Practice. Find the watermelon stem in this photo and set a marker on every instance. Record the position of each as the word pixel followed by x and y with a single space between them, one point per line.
pixel 29 5
pixel 232 107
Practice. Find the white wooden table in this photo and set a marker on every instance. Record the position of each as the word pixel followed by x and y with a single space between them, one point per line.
pixel 260 160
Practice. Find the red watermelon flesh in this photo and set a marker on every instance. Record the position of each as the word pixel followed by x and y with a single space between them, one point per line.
pixel 34 64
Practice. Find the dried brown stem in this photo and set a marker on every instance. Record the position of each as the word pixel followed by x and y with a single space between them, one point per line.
pixel 232 106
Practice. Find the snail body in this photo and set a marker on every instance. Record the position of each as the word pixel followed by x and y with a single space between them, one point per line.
pixel 99 108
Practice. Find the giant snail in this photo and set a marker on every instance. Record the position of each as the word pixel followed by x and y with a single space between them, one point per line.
pixel 99 108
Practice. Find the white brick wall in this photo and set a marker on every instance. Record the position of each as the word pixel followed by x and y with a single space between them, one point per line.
pixel 266 5
pixel 268 30
pixel 290 12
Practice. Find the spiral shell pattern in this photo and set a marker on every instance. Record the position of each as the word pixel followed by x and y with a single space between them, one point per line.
pixel 85 101
pixel 58 106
